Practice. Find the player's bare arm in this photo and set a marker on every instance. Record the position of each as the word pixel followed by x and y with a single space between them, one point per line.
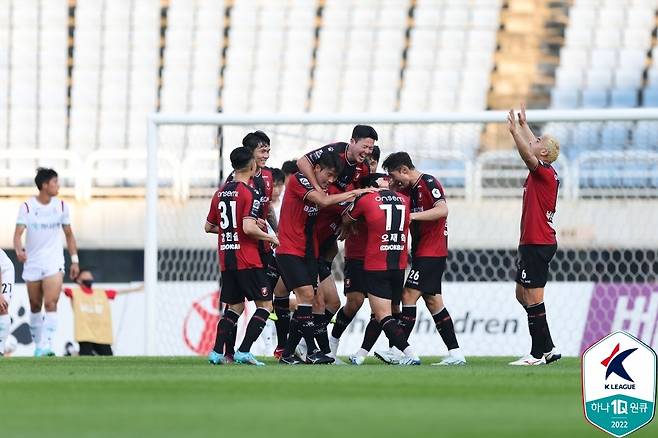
pixel 73 250
pixel 322 200
pixel 440 210
pixel 526 132
pixel 21 255
pixel 306 168
pixel 4 306
pixel 211 228
pixel 251 229
pixel 522 145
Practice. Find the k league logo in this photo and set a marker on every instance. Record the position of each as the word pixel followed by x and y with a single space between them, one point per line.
pixel 619 384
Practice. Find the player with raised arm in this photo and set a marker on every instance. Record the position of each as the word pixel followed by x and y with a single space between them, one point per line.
pixel 297 256
pixel 386 215
pixel 6 286
pixel 41 218
pixel 538 243
pixel 429 251
pixel 354 174
pixel 233 216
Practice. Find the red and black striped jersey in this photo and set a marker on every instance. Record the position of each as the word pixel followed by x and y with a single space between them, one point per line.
pixel 327 225
pixel 428 238
pixel 386 216
pixel 263 183
pixel 230 205
pixel 539 204
pixel 353 174
pixel 297 223
pixel 355 244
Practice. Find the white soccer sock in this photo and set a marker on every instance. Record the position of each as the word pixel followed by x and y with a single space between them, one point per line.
pixel 456 352
pixel 49 329
pixel 36 325
pixel 409 352
pixel 5 328
pixel 362 352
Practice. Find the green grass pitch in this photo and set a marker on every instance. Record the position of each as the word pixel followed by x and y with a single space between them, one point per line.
pixel 186 397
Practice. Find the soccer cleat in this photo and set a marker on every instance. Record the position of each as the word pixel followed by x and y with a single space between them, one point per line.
pixel 290 360
pixel 409 361
pixel 552 356
pixel 529 360
pixel 278 353
pixel 338 361
pixel 247 358
pixel 392 356
pixel 46 352
pixel 319 358
pixel 451 360
pixel 215 358
pixel 357 360
pixel 38 352
pixel 229 358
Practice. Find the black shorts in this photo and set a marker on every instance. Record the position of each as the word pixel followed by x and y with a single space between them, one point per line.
pixel 297 271
pixel 272 269
pixel 385 284
pixel 426 274
pixel 249 284
pixel 324 269
pixel 354 281
pixel 532 265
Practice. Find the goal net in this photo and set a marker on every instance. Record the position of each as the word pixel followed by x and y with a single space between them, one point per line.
pixel 602 278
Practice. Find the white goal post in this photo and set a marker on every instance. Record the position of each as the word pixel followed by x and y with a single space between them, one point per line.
pixel 157 120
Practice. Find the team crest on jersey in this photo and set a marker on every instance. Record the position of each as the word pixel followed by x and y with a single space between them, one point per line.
pixel 263 291
pixel 347 282
pixel 436 192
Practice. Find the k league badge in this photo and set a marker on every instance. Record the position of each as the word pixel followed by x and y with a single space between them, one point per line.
pixel 619 384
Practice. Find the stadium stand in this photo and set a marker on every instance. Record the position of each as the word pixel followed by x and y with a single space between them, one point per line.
pixel 81 75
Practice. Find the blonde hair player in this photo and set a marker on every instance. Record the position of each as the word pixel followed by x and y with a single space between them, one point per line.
pixel 41 218
pixel 538 243
pixel 6 286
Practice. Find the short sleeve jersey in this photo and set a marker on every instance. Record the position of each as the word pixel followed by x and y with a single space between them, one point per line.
pixel 43 224
pixel 297 223
pixel 230 206
pixel 428 238
pixel 352 175
pixel 386 215
pixel 539 203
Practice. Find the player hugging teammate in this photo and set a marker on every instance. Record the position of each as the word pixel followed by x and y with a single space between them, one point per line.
pixel 337 193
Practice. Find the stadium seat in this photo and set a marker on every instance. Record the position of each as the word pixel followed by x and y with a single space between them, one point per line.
pixel 564 98
pixel 595 98
pixel 598 79
pixel 624 98
pixel 650 97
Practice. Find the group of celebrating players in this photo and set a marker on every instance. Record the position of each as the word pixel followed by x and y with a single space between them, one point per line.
pixel 384 218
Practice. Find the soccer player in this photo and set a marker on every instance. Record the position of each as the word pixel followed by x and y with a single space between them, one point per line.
pixel 233 216
pixel 92 314
pixel 41 217
pixel 386 215
pixel 6 286
pixel 263 183
pixel 429 251
pixel 354 174
pixel 297 256
pixel 538 243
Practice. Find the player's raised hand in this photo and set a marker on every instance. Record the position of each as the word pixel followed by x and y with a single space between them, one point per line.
pixel 521 115
pixel 21 255
pixel 511 121
pixel 274 241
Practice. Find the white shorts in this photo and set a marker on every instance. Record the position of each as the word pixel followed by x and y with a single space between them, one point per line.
pixel 38 273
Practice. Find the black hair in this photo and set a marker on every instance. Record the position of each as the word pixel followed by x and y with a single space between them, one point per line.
pixel 253 139
pixel 289 167
pixel 44 175
pixel 241 157
pixel 376 153
pixel 278 176
pixel 364 131
pixel 396 160
pixel 330 160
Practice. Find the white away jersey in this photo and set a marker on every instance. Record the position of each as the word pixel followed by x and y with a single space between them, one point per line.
pixel 7 268
pixel 43 224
